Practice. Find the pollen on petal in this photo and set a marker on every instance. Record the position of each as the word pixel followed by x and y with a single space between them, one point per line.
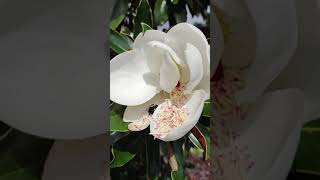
pixel 177 95
pixel 140 124
pixel 169 117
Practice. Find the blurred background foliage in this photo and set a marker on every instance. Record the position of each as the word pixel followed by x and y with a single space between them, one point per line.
pixel 128 15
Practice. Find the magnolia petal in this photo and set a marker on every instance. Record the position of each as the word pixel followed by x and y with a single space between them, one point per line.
pixel 282 165
pixel 279 112
pixel 140 124
pixel 167 49
pixel 131 82
pixel 184 33
pixel 194 60
pixel 204 84
pixel 303 73
pixel 303 70
pixel 53 68
pixel 77 159
pixel 155 52
pixel 275 45
pixel 151 35
pixel 194 107
pixel 169 74
pixel 134 113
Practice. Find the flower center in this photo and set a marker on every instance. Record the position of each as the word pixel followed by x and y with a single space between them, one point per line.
pixel 177 95
pixel 171 113
pixel 140 124
pixel 170 116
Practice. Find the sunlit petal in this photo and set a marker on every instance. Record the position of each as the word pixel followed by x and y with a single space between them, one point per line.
pixel 131 81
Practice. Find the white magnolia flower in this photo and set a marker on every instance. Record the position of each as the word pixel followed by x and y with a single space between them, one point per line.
pixel 279 94
pixel 163 81
pixel 86 159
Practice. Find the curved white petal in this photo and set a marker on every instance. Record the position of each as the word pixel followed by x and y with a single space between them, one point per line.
pixel 151 35
pixel 53 67
pixel 303 70
pixel 166 48
pixel 194 107
pixel 303 73
pixel 217 41
pixel 134 113
pixel 184 33
pixel 169 74
pixel 269 126
pixel 281 167
pixel 277 40
pixel 131 81
pixel 194 60
pixel 77 159
pixel 156 52
pixel 204 84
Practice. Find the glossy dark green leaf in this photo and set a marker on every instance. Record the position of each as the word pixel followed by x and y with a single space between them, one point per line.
pixel 308 156
pixel 119 11
pixel 180 14
pixel 144 15
pixel 22 156
pixel 174 1
pixel 207 135
pixel 116 136
pixel 120 157
pixel 179 157
pixel 126 31
pixel 201 140
pixel 206 109
pixel 116 22
pixel 125 149
pixel 119 43
pixel 145 27
pixel 160 11
pixel 152 147
pixel 194 140
pixel 116 123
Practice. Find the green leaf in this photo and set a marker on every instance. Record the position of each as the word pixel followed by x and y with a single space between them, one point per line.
pixel 160 11
pixel 116 136
pixel 116 120
pixel 119 12
pixel 180 16
pixel 206 109
pixel 180 13
pixel 22 156
pixel 144 15
pixel 194 140
pixel 202 140
pixel 152 157
pixel 178 154
pixel 116 22
pixel 175 1
pixel 121 157
pixel 308 155
pixel 124 150
pixel 207 135
pixel 119 43
pixel 116 123
pixel 126 31
pixel 145 27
